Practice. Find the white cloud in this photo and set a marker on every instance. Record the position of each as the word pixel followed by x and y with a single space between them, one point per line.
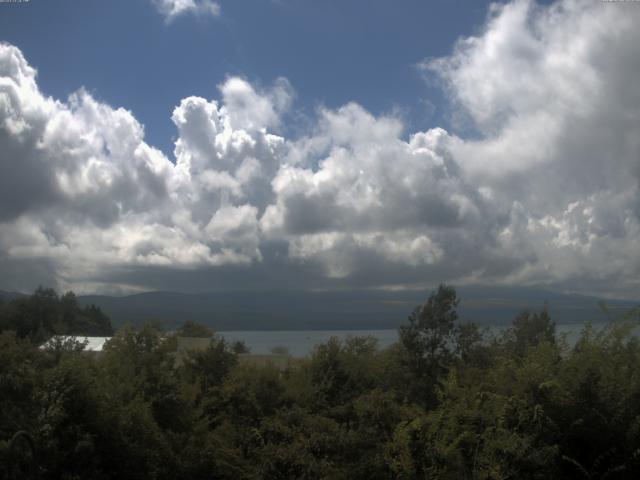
pixel 340 252
pixel 552 91
pixel 251 111
pixel 172 9
pixel 82 191
pixel 370 192
pixel 546 192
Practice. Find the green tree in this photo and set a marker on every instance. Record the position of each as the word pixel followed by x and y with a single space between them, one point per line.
pixel 428 340
pixel 239 346
pixel 206 369
pixel 194 329
pixel 44 314
pixel 20 367
pixel 530 329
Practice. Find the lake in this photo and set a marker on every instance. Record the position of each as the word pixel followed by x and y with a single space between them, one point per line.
pixel 301 342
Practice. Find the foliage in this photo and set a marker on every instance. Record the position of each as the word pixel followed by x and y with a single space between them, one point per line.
pixel 428 341
pixel 447 401
pixel 239 347
pixel 44 314
pixel 194 329
pixel 530 329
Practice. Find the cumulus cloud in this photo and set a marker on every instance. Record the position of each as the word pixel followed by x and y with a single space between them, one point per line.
pixel 83 192
pixel 545 192
pixel 372 194
pixel 551 90
pixel 172 9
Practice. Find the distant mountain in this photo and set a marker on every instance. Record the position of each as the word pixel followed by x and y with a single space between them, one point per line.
pixel 8 296
pixel 225 311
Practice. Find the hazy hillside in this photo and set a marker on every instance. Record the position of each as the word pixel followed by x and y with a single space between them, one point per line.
pixel 336 310
pixel 8 296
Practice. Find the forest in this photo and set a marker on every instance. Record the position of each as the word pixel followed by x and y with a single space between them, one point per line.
pixel 449 400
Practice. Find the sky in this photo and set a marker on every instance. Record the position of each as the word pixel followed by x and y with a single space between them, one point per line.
pixel 200 145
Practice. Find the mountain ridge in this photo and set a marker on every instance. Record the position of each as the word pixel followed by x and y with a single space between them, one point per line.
pixel 280 310
pixel 339 310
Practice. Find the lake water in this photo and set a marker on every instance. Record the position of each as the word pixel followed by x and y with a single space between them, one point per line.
pixel 301 342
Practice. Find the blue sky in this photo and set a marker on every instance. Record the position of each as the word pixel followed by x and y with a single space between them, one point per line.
pixel 332 52
pixel 201 145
